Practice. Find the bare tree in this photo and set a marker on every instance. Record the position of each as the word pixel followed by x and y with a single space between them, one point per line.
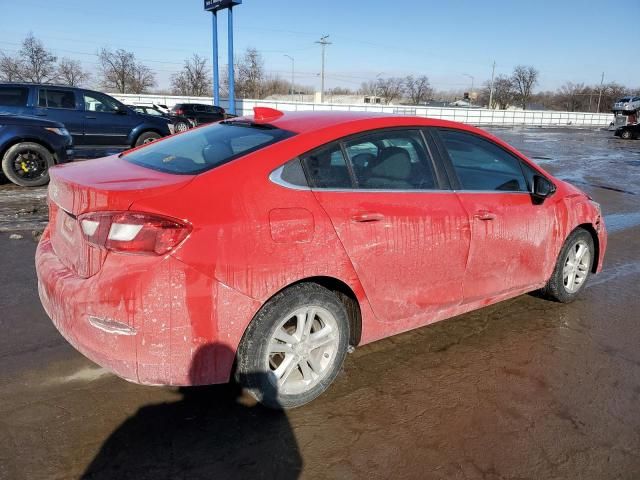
pixel 121 72
pixel 70 72
pixel 572 96
pixel 10 68
pixel 368 88
pixel 503 92
pixel 250 74
pixel 418 89
pixel 142 78
pixel 194 79
pixel 390 88
pixel 524 78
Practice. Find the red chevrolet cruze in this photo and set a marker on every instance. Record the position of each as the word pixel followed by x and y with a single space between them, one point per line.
pixel 268 245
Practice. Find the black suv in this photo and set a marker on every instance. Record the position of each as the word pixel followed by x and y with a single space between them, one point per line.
pixel 29 146
pixel 199 113
pixel 95 120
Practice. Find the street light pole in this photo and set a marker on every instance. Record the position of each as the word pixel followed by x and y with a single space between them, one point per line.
pixel 600 94
pixel 291 90
pixel 323 42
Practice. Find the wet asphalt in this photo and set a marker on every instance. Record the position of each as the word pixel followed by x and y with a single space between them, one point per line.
pixel 526 389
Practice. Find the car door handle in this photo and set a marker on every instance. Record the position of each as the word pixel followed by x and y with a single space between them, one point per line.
pixel 41 114
pixel 90 117
pixel 367 217
pixel 485 215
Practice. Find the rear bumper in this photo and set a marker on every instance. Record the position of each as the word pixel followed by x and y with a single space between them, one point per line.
pixel 149 320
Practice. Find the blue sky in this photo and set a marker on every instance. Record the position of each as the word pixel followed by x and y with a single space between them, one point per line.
pixel 566 40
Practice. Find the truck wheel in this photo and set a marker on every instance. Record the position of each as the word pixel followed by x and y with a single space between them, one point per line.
pixel 27 164
pixel 147 137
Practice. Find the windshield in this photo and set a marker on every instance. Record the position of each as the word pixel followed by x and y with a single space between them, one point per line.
pixel 205 148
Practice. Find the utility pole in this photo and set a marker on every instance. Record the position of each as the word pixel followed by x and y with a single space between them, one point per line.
pixel 323 42
pixel 600 94
pixel 493 73
pixel 292 89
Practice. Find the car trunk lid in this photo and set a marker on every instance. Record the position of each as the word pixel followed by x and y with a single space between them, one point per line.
pixel 108 184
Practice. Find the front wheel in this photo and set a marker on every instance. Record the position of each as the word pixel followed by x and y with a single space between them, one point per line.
pixel 27 164
pixel 181 127
pixel 294 347
pixel 147 137
pixel 572 268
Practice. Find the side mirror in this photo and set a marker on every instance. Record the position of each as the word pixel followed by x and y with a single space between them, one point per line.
pixel 122 110
pixel 542 188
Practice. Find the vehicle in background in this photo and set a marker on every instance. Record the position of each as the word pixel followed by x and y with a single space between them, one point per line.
pixel 625 111
pixel 199 113
pixel 95 120
pixel 628 132
pixel 29 146
pixel 180 123
pixel 277 242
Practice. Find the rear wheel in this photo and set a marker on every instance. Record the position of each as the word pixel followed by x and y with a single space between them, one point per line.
pixel 294 347
pixel 626 135
pixel 27 164
pixel 147 137
pixel 572 268
pixel 181 127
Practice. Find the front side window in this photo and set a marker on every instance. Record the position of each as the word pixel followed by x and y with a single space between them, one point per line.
pixel 52 98
pixel 327 168
pixel 13 96
pixel 202 149
pixel 481 164
pixel 391 160
pixel 96 102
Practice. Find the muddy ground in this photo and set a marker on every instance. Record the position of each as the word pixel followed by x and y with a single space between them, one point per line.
pixel 523 389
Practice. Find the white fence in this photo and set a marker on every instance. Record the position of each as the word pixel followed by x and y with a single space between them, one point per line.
pixel 473 116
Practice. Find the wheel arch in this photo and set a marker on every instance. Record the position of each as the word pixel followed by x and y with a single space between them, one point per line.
pixel 345 294
pixel 15 141
pixel 596 243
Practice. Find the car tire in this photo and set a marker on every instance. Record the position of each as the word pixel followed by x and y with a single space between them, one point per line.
pixel 572 269
pixel 147 137
pixel 284 360
pixel 181 127
pixel 27 164
pixel 626 135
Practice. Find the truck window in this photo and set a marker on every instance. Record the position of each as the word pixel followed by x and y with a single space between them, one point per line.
pixel 14 96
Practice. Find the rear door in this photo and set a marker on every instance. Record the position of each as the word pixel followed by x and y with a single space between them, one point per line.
pixel 104 122
pixel 61 105
pixel 406 234
pixel 511 236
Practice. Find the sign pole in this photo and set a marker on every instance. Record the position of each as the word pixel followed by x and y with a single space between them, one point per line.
pixel 216 73
pixel 232 91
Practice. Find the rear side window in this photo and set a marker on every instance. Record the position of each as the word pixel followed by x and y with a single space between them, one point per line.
pixel 391 160
pixel 481 164
pixel 327 168
pixel 202 149
pixel 53 98
pixel 14 96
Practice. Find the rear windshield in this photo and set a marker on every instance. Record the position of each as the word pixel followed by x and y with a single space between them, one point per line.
pixel 205 148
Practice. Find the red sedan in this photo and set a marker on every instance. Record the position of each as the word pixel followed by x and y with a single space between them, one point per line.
pixel 268 245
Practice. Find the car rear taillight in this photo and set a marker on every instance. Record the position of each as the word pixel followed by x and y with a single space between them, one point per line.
pixel 133 232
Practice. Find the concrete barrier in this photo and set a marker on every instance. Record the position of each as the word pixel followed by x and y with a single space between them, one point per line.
pixel 473 116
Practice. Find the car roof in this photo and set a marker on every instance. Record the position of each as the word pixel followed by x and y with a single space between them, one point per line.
pixel 303 122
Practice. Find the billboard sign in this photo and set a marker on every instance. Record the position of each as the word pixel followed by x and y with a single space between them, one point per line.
pixel 215 5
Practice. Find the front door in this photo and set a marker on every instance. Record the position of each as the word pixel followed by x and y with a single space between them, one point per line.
pixel 511 235
pixel 105 124
pixel 407 239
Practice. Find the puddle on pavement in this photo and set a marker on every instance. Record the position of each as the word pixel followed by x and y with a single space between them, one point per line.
pixel 621 221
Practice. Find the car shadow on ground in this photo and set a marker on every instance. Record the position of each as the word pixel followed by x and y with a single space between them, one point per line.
pixel 212 432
